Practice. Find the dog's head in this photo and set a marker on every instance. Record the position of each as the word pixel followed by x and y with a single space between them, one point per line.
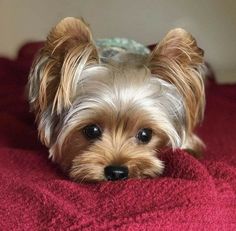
pixel 107 121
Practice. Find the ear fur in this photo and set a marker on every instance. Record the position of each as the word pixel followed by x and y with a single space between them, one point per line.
pixel 68 50
pixel 178 60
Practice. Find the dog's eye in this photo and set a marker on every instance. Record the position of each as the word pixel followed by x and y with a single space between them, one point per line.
pixel 144 135
pixel 92 132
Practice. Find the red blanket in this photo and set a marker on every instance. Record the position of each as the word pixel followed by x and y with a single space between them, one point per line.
pixel 191 195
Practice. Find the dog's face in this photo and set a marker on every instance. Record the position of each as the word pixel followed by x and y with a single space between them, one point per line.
pixel 118 118
pixel 108 121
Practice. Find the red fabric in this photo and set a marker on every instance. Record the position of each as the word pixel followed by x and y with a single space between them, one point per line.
pixel 191 195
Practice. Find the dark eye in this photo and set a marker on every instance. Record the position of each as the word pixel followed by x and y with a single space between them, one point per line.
pixel 92 132
pixel 144 135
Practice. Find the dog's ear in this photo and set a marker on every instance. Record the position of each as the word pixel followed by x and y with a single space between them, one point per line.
pixel 69 49
pixel 54 75
pixel 178 60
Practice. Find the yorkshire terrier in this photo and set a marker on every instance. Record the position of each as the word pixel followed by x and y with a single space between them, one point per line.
pixel 109 120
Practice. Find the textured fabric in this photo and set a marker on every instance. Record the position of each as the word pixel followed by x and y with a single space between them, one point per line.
pixel 191 195
pixel 111 47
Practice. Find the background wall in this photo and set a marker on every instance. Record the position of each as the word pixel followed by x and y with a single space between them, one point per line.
pixel 212 22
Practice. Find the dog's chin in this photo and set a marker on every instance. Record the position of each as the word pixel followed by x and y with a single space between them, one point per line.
pixel 89 167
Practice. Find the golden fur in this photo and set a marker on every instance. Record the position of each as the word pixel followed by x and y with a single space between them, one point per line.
pixel 70 88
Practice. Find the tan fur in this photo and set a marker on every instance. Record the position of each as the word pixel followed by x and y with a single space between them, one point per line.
pixel 178 60
pixel 117 148
pixel 86 160
pixel 68 43
pixel 69 89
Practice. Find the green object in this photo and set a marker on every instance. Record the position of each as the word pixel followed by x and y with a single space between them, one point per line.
pixel 110 47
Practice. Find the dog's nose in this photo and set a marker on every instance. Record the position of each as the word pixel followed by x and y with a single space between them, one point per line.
pixel 116 172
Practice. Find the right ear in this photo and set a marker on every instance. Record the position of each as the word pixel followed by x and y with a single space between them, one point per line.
pixel 68 50
pixel 177 59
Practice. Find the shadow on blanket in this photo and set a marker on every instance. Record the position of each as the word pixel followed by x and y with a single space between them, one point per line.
pixel 192 194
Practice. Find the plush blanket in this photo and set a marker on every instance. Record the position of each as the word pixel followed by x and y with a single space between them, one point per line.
pixel 191 194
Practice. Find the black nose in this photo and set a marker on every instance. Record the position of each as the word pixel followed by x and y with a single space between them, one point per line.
pixel 116 172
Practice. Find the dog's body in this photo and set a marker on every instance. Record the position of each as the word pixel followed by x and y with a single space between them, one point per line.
pixel 108 120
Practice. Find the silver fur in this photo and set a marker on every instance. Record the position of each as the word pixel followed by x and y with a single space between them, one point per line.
pixel 110 86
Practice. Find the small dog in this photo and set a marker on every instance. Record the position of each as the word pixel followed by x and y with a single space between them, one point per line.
pixel 108 120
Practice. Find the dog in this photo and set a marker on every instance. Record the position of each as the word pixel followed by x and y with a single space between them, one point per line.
pixel 109 120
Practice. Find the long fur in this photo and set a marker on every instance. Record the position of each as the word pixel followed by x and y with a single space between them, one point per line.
pixel 69 88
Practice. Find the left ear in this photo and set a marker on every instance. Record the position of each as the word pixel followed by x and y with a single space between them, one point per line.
pixel 52 86
pixel 177 59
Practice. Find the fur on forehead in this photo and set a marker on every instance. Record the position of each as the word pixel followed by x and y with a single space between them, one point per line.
pixel 124 87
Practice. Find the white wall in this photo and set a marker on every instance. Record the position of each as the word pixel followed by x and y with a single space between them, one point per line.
pixel 212 22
